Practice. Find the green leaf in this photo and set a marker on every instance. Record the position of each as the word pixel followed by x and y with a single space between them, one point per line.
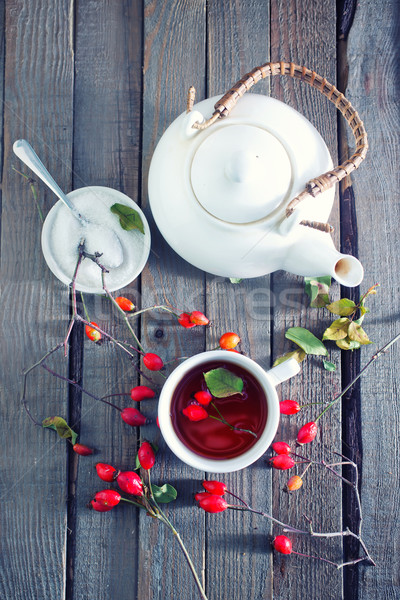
pixel 235 280
pixel 357 334
pixel 164 494
pixel 329 366
pixel 306 340
pixel 317 289
pixel 129 218
pixel 298 354
pixel 343 307
pixel 223 383
pixel 348 344
pixel 337 330
pixel 61 426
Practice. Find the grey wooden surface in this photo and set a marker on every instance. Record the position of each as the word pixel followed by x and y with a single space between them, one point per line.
pixel 93 84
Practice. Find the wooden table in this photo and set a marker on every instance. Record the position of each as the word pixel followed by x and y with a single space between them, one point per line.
pixel 93 84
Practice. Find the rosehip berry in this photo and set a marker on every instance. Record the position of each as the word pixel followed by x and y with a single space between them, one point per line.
pixel 108 497
pixel 130 482
pixel 141 392
pixel 194 412
pixel 282 544
pixel 203 398
pixel 152 361
pixel 281 448
pixel 106 472
pixel 146 455
pixel 93 334
pixel 200 495
pixel 198 318
pixel 294 483
pixel 282 462
pixel 307 433
pixel 213 503
pixel 215 487
pixel 289 407
pixel 82 449
pixel 184 320
pixel 97 506
pixel 133 417
pixel 125 303
pixel 229 340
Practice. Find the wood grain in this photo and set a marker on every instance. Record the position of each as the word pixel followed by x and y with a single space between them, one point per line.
pixel 174 59
pixel 373 87
pixel 308 37
pixel 34 308
pixel 106 152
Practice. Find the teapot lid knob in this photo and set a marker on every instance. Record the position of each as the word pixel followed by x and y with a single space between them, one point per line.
pixel 241 173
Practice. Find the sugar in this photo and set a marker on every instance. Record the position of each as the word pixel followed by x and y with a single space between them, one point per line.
pixel 122 251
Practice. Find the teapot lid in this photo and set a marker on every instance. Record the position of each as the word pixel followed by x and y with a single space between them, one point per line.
pixel 241 173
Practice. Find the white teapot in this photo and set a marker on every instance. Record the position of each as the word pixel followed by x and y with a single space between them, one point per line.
pixel 244 196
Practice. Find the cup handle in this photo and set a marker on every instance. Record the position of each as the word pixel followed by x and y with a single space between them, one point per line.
pixel 284 371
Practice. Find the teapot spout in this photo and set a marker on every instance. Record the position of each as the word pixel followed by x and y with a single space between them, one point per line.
pixel 315 255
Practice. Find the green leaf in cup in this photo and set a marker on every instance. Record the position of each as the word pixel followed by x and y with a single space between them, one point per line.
pixel 129 218
pixel 222 383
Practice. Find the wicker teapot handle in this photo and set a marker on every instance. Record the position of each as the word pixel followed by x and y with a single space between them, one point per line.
pixel 326 180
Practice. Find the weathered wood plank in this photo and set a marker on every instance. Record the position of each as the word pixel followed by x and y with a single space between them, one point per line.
pixel 106 152
pixel 34 309
pixel 174 59
pixel 373 87
pixel 306 34
pixel 238 555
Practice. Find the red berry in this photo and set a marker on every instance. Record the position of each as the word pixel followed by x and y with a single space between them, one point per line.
pixel 99 507
pixel 294 483
pixel 125 303
pixel 93 334
pixel 198 318
pixel 130 482
pixel 307 433
pixel 213 503
pixel 203 398
pixel 282 462
pixel 106 472
pixel 82 449
pixel 282 544
pixel 146 455
pixel 152 361
pixel 141 392
pixel 215 487
pixel 194 412
pixel 158 423
pixel 108 497
pixel 289 407
pixel 200 495
pixel 184 320
pixel 281 448
pixel 133 417
pixel 229 340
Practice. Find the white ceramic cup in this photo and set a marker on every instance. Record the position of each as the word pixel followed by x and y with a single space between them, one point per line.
pixel 135 254
pixel 268 380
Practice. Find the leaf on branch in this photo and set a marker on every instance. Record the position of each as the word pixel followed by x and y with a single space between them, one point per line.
pixel 357 334
pixel 343 307
pixel 337 330
pixel 128 217
pixel 329 366
pixel 298 355
pixel 61 426
pixel 347 344
pixel 164 494
pixel 317 289
pixel 222 383
pixel 306 340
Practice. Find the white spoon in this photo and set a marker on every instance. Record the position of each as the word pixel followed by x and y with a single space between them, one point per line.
pixel 93 234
